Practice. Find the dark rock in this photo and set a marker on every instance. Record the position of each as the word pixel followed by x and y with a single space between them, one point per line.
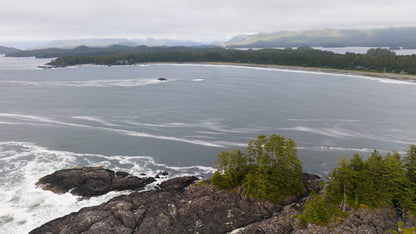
pixel 122 174
pixel 311 182
pixel 182 206
pixel 178 183
pixel 162 79
pixel 45 67
pixel 91 181
pixel 179 206
pixel 161 174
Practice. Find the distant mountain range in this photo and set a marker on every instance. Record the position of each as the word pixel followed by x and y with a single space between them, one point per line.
pixel 94 42
pixel 384 37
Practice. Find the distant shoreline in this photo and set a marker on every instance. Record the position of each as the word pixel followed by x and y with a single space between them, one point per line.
pixel 384 75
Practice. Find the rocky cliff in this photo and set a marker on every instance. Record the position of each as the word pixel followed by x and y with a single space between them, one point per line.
pixel 183 205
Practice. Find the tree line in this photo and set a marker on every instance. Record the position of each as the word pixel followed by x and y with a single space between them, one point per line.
pixel 269 169
pixel 376 59
pixel 379 181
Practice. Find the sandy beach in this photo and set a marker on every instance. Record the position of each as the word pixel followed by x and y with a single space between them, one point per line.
pixel 323 70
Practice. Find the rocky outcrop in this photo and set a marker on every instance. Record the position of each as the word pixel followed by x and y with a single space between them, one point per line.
pixel 91 181
pixel 177 206
pixel 183 205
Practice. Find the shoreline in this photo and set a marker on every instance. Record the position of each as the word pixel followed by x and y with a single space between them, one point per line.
pixel 381 75
pixel 393 76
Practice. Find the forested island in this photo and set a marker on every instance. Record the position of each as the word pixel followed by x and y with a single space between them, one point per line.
pixel 375 60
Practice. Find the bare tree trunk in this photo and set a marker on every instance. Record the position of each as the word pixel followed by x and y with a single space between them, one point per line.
pixel 345 198
pixel 356 199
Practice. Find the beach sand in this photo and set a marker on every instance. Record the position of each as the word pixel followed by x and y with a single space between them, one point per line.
pixel 395 76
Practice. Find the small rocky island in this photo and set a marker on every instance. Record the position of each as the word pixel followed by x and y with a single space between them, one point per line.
pixel 186 205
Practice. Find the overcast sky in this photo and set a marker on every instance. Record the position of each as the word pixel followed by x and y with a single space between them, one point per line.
pixel 202 20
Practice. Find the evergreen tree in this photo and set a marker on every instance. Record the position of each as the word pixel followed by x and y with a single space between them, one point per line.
pixel 269 170
pixel 315 210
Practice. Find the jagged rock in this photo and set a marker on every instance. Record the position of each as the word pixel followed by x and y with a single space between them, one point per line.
pixel 311 182
pixel 161 174
pixel 91 181
pixel 179 206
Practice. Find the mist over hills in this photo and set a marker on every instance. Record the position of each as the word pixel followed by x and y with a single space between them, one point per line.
pixel 105 42
pixel 383 37
pixel 6 50
pixel 404 37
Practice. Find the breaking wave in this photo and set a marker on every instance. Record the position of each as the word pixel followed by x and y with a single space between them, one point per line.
pixel 24 207
pixel 89 83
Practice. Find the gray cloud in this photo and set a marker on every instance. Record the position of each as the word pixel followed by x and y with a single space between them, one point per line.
pixel 191 19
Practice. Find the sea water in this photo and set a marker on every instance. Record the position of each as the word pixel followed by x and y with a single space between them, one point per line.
pixel 124 118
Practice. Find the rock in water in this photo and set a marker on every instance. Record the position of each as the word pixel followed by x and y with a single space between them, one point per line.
pixel 91 181
pixel 162 79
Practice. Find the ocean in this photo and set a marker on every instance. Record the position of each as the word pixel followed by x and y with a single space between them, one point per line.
pixel 124 118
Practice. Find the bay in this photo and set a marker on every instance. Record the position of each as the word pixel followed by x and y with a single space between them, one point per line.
pixel 124 118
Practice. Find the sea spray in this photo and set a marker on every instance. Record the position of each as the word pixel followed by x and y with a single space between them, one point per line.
pixel 23 206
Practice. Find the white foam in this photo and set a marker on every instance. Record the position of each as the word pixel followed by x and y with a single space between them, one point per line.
pixel 198 80
pixel 332 132
pixel 35 120
pixel 90 83
pixel 326 120
pixel 214 126
pixel 24 207
pixel 338 132
pixel 96 119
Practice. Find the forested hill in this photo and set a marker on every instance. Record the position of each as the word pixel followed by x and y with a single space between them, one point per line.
pixel 382 37
pixel 6 50
pixel 379 60
pixel 96 51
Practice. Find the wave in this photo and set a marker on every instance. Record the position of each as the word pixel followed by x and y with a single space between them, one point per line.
pixel 337 132
pixel 214 126
pixel 38 120
pixel 95 119
pixel 23 207
pixel 336 148
pixel 326 120
pixel 331 132
pixel 90 83
pixel 346 149
pixel 198 80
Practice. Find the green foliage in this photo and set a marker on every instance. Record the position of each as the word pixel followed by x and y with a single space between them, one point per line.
pixel 315 210
pixel 375 182
pixel 380 60
pixel 232 167
pixel 269 169
pixel 410 163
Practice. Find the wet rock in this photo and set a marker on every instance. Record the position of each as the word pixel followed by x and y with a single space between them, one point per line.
pixel 91 181
pixel 183 206
pixel 179 206
pixel 161 174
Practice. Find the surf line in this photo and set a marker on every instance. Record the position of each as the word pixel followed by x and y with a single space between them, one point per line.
pixel 30 119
